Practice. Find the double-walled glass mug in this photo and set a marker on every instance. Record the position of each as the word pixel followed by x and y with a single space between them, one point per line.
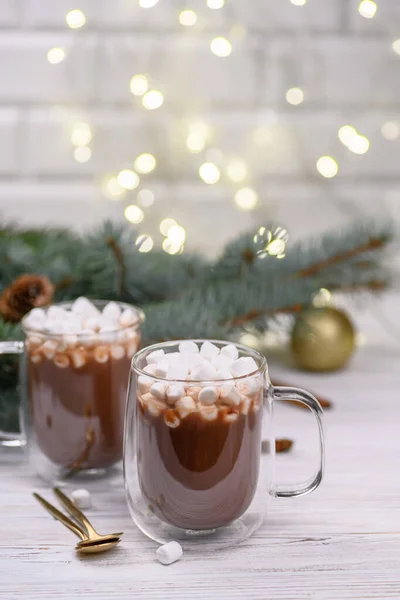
pixel 73 393
pixel 193 466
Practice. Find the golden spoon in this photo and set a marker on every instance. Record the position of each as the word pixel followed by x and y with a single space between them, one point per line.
pixel 88 545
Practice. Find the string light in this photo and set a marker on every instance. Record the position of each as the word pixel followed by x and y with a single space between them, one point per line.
pixel 56 55
pixel 113 188
pixel 188 18
pixel 390 130
pixel 145 198
pixel 177 234
pixel 221 47
pixel 209 173
pixel 171 247
pixel 346 133
pixel 166 225
pixel 82 154
pixel 81 134
pixel 153 99
pixel 144 243
pixel 215 4
pixel 236 170
pixel 295 96
pixel 367 8
pixel 195 142
pixel 327 166
pixel 139 85
pixel 359 144
pixel 396 46
pixel 246 198
pixel 133 214
pixel 147 3
pixel 128 179
pixel 145 163
pixel 75 18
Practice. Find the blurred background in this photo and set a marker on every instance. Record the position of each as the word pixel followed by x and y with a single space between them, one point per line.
pixel 219 114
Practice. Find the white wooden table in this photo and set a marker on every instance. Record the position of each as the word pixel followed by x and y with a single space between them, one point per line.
pixel 343 541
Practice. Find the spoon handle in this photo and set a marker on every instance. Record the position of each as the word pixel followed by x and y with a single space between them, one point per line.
pixel 61 517
pixel 75 512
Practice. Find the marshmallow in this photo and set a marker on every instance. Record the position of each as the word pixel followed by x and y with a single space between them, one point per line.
pixel 243 366
pixel 127 318
pixel 108 333
pixel 71 340
pixel 230 395
pixel 193 392
pixel 78 357
pixel 56 327
pixel 222 361
pixel 33 322
pixel 169 553
pixel 49 348
pixel 209 351
pixel 36 357
pixel 112 312
pixel 175 392
pixel 38 314
pixel 173 357
pixel 56 313
pixel 82 306
pixel 101 354
pixel 231 351
pixel 144 384
pixel 117 352
pixel 224 374
pixel 93 323
pixel 162 368
pixel 158 390
pixel 171 418
pixel 203 372
pixel 249 386
pixel 208 395
pixel 131 348
pixel 155 356
pixel 245 405
pixel 154 406
pixel 230 416
pixel 209 413
pixel 255 406
pixel 81 499
pixel 188 347
pixel 185 406
pixel 150 369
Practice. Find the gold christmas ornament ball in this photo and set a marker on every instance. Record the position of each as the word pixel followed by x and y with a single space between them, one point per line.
pixel 323 339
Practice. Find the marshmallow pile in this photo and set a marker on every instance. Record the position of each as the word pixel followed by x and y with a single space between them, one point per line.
pixel 69 336
pixel 194 371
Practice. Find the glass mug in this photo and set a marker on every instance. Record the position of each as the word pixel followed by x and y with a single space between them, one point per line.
pixel 194 472
pixel 73 394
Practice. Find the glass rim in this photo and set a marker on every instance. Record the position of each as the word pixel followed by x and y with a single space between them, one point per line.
pixel 98 303
pixel 260 358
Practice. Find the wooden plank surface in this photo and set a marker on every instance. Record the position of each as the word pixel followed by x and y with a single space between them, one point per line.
pixel 343 541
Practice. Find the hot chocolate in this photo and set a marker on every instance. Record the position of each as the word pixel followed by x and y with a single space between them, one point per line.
pixel 198 446
pixel 77 383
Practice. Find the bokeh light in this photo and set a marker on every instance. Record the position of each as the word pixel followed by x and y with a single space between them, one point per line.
pixel 81 134
pixel 195 142
pixel 113 188
pixel 133 214
pixel 236 170
pixel 56 55
pixel 145 198
pixel 346 133
pixel 128 179
pixel 144 243
pixel 215 4
pixel 139 85
pixel 145 163
pixel 153 99
pixel 82 154
pixel 327 166
pixel 246 198
pixel 209 173
pixel 171 247
pixel 177 234
pixel 367 8
pixel 147 3
pixel 396 46
pixel 298 2
pixel 295 96
pixel 75 18
pixel 359 144
pixel 188 18
pixel 391 130
pixel 166 225
pixel 221 47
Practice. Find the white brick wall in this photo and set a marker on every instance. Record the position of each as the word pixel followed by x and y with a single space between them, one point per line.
pixel 344 63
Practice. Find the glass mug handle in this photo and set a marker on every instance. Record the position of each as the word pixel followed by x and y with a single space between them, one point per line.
pixel 11 439
pixel 297 395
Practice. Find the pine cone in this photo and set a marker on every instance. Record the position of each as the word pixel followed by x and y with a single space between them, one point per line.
pixel 25 292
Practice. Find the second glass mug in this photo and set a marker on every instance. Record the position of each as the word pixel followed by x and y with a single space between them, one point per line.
pixel 195 473
pixel 73 394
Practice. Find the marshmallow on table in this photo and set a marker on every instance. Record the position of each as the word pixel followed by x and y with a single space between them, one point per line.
pixel 243 366
pixel 188 347
pixel 209 351
pixel 81 498
pixel 155 356
pixel 231 351
pixel 169 553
